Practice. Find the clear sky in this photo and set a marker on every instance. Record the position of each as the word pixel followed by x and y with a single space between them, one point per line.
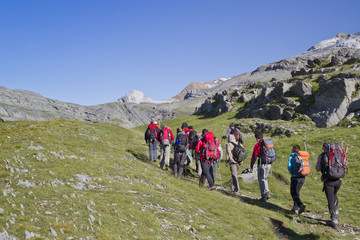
pixel 95 51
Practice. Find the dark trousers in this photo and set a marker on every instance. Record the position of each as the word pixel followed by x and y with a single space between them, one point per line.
pixel 207 171
pixel 331 187
pixel 295 187
pixel 153 150
pixel 179 163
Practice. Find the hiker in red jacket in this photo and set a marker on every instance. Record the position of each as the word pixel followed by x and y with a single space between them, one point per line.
pixel 202 147
pixel 165 137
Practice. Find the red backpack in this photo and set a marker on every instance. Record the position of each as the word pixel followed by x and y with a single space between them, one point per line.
pixel 165 136
pixel 153 130
pixel 209 148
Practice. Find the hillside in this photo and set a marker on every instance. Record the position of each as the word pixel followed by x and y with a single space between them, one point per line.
pixel 64 179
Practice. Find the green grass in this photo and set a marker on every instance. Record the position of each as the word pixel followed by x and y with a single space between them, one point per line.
pixel 126 197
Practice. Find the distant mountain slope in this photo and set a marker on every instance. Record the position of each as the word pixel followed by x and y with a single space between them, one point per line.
pixel 136 108
pixel 191 89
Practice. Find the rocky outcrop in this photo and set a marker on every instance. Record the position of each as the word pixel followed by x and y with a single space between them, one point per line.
pixel 332 101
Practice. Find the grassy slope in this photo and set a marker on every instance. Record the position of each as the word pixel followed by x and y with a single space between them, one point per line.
pixel 125 197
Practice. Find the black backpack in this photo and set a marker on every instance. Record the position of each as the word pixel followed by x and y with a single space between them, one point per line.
pixel 238 153
pixel 192 137
pixel 181 143
pixel 333 161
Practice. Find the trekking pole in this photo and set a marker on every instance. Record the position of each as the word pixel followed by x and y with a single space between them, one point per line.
pixel 305 145
pixel 220 175
pixel 347 147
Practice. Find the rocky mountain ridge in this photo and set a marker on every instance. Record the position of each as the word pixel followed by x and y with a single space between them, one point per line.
pixel 271 88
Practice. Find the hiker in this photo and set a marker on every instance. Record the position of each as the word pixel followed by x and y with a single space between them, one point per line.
pixel 234 165
pixel 192 139
pixel 150 138
pixel 165 136
pixel 197 155
pixel 297 182
pixel 263 168
pixel 206 162
pixel 189 157
pixel 331 185
pixel 234 131
pixel 180 146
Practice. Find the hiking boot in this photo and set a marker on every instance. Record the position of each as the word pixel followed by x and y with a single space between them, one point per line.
pixel 166 168
pixel 263 199
pixel 302 209
pixel 267 195
pixel 296 211
pixel 212 188
pixel 334 224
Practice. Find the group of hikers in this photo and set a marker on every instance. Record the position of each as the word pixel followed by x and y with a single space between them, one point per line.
pixel 207 151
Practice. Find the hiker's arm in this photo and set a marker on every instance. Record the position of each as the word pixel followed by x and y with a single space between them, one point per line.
pixel 290 163
pixel 318 163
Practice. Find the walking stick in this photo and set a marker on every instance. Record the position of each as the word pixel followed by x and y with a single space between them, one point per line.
pixel 305 144
pixel 220 174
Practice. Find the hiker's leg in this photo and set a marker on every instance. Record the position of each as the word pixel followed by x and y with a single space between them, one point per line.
pixel 167 155
pixel 151 151
pixel 198 164
pixel 337 185
pixel 182 160
pixel 155 150
pixel 295 186
pixel 330 195
pixel 176 162
pixel 189 156
pixel 261 179
pixel 234 168
pixel 162 155
pixel 267 168
pixel 213 170
pixel 205 165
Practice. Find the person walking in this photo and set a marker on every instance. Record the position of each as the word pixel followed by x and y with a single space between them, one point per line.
pixel 297 181
pixel 263 167
pixel 234 131
pixel 180 146
pixel 165 137
pixel 204 150
pixel 192 138
pixel 234 166
pixel 331 186
pixel 150 138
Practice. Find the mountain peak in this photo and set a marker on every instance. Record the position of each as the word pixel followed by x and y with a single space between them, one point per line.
pixel 136 96
pixel 344 40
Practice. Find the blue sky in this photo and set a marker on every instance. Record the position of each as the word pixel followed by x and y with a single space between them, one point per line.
pixel 92 52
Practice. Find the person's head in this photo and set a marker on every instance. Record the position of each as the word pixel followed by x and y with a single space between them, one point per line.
pixel 191 127
pixel 204 131
pixel 179 129
pixel 326 147
pixel 155 122
pixel 163 126
pixel 152 122
pixel 259 135
pixel 296 148
pixel 184 125
pixel 231 125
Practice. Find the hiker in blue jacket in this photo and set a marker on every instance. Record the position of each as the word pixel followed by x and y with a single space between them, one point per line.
pixel 296 183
